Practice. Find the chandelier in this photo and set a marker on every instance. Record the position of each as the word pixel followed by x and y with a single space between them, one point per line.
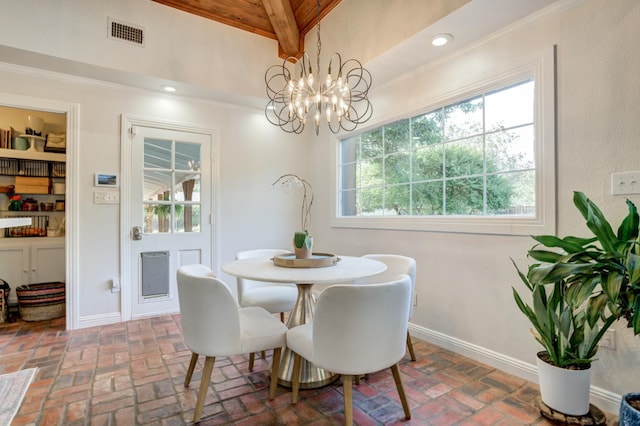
pixel 295 93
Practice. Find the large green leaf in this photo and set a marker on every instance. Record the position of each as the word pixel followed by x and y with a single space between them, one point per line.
pixel 545 256
pixel 555 272
pixel 635 319
pixel 579 292
pixel 544 335
pixel 523 306
pixel 633 266
pixel 612 284
pixel 565 322
pixel 595 308
pixel 583 242
pixel 570 245
pixel 540 309
pixel 596 221
pixel 588 347
pixel 628 229
pixel 522 276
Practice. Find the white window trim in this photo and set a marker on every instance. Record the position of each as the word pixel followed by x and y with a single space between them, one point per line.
pixel 544 222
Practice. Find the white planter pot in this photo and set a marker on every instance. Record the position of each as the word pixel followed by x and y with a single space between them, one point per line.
pixel 565 391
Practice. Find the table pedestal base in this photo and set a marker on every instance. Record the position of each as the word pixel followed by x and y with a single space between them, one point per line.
pixel 310 376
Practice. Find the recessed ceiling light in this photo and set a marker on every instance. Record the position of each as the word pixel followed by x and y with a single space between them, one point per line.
pixel 441 39
pixel 167 88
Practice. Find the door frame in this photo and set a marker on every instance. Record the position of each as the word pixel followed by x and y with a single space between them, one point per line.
pixel 127 122
pixel 72 211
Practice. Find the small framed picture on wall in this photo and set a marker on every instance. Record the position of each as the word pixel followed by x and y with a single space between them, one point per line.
pixel 104 179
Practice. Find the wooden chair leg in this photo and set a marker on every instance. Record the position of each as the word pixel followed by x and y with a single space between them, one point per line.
pixel 192 366
pixel 295 378
pixel 403 397
pixel 275 366
pixel 347 383
pixel 282 316
pixel 204 386
pixel 357 379
pixel 410 347
pixel 252 358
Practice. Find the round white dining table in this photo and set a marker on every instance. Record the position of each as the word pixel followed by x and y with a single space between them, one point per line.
pixel 346 270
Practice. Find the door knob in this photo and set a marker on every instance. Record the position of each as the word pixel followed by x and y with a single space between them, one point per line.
pixel 137 233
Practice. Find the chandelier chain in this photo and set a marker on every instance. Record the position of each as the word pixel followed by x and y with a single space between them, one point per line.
pixel 318 42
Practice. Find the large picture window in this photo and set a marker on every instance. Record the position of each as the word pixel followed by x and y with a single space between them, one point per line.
pixel 474 157
pixel 482 162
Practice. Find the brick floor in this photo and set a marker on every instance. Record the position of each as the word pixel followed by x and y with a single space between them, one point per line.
pixel 133 373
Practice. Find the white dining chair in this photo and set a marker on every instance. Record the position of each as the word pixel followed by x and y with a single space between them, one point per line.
pixel 274 297
pixel 213 325
pixel 396 265
pixel 356 330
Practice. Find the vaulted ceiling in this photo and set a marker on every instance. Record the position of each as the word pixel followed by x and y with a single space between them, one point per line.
pixel 287 21
pixel 387 54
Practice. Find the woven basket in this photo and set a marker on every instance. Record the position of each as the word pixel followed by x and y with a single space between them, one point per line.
pixel 4 309
pixel 43 301
pixel 4 298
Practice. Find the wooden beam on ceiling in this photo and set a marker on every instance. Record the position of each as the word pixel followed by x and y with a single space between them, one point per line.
pixel 284 25
pixel 287 21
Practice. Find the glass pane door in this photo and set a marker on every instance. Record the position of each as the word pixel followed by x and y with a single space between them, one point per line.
pixel 171 188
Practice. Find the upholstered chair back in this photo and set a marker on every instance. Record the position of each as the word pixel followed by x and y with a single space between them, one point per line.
pixel 361 329
pixel 396 265
pixel 245 285
pixel 210 318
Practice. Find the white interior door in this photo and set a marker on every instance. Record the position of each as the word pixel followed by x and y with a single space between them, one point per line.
pixel 170 214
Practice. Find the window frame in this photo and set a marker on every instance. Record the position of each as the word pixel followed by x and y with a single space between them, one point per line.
pixel 542 71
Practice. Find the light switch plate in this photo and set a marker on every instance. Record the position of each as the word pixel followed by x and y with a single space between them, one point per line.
pixel 625 183
pixel 106 197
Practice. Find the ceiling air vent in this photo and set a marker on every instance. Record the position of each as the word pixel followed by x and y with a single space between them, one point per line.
pixel 119 30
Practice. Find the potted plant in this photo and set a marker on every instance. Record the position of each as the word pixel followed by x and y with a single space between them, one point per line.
pixel 302 240
pixel 579 288
pixel 622 251
pixel 302 244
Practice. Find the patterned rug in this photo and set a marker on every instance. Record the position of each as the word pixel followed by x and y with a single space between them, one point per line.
pixel 13 386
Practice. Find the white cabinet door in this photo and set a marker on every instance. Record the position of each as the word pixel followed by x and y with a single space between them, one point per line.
pixel 47 263
pixel 14 267
pixel 31 261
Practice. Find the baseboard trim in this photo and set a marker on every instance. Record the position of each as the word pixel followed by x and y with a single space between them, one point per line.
pixel 98 320
pixel 602 398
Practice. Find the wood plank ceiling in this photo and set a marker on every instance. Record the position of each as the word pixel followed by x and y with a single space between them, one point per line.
pixel 287 21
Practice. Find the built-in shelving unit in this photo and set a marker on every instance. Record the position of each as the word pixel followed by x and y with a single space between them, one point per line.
pixel 25 256
pixel 32 155
pixel 34 174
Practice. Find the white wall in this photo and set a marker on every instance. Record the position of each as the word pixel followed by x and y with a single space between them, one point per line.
pixel 464 280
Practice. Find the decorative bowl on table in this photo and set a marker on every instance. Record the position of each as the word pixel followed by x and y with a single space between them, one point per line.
pixel 317 260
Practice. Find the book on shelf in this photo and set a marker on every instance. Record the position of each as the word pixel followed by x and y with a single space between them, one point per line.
pixel 5 138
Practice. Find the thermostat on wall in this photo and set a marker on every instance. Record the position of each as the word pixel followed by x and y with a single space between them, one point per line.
pixel 103 179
